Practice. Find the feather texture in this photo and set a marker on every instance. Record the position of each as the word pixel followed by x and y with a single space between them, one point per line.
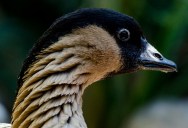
pixel 51 95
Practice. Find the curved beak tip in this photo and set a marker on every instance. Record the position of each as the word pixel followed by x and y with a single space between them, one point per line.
pixel 174 68
pixel 167 65
pixel 151 59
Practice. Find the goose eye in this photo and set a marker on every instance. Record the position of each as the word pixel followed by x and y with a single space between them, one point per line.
pixel 124 34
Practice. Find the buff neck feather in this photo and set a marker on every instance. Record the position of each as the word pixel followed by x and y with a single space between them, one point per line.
pixel 51 94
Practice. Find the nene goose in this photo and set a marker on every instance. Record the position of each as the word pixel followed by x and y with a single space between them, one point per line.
pixel 77 50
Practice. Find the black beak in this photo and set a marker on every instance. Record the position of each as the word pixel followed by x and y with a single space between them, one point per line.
pixel 151 59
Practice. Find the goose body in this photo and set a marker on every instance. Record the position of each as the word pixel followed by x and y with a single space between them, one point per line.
pixel 79 49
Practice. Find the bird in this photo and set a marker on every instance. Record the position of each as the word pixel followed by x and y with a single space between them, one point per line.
pixel 78 49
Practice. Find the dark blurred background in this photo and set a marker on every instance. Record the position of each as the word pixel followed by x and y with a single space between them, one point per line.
pixel 145 99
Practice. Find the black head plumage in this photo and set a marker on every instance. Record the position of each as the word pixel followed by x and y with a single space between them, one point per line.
pixel 110 20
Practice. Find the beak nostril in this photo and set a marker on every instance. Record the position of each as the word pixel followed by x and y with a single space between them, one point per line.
pixel 157 55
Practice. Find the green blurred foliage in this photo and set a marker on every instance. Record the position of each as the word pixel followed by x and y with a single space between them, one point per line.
pixel 108 103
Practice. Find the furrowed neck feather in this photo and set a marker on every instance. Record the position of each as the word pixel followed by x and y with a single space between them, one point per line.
pixel 53 85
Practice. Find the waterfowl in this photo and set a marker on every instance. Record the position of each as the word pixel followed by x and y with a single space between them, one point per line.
pixel 77 50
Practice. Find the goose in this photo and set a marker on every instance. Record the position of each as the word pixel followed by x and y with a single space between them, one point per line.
pixel 78 49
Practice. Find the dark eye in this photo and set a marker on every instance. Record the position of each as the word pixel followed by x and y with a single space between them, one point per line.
pixel 124 34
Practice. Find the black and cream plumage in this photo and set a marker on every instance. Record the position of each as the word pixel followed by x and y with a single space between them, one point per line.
pixel 77 50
